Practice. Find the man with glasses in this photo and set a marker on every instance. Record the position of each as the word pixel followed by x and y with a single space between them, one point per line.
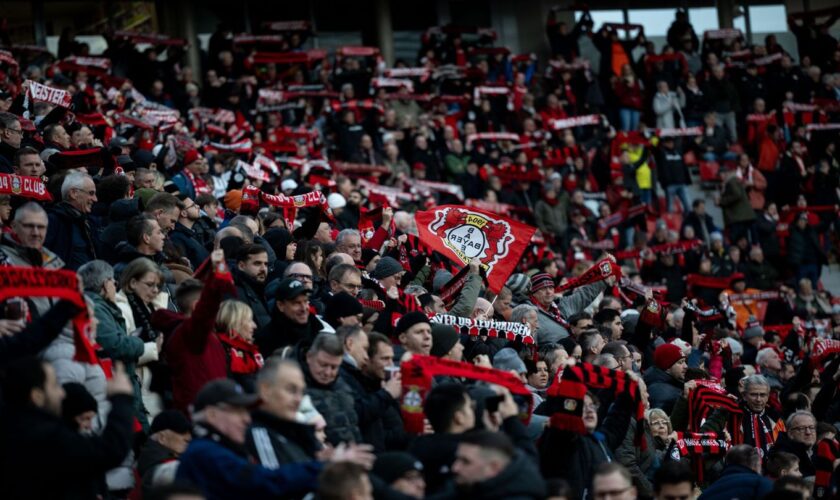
pixel 345 278
pixel 350 242
pixel 613 481
pixel 24 247
pixel 69 233
pixel 800 440
pixel 184 238
pixel 11 135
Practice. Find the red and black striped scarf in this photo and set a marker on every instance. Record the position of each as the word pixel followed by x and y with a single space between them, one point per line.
pixel 565 395
pixel 828 450
pixel 708 396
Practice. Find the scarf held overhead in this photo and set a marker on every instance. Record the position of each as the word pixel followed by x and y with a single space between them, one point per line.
pixel 419 372
pixel 61 284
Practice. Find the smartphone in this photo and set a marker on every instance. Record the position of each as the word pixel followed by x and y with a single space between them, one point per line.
pixel 15 309
pixel 390 371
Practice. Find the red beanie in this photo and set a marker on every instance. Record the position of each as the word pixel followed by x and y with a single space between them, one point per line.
pixel 190 156
pixel 666 355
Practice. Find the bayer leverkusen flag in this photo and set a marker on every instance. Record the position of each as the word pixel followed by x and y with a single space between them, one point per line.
pixel 462 233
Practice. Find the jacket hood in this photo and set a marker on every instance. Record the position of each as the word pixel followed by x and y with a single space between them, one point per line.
pixel 518 480
pixel 654 375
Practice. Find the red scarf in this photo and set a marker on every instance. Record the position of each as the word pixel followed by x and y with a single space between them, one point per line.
pixel 553 311
pixel 418 374
pixel 198 183
pixel 600 271
pixel 61 284
pixel 243 356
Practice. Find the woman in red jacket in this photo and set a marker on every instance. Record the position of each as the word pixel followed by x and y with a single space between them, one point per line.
pixel 235 324
pixel 194 352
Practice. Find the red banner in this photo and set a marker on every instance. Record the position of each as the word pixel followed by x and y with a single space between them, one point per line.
pixel 61 284
pixel 599 271
pixel 463 233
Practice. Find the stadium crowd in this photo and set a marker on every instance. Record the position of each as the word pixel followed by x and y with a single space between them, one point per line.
pixel 263 314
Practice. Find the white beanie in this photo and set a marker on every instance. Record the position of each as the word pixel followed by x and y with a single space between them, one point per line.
pixel 335 200
pixel 288 185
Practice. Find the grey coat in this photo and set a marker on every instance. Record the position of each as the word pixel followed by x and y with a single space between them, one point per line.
pixel 551 331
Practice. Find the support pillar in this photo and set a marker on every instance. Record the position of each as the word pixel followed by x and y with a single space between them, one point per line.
pixel 725 11
pixel 385 30
pixel 188 32
pixel 38 27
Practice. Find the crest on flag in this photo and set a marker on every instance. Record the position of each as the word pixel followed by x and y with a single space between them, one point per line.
pixel 465 233
pixel 470 234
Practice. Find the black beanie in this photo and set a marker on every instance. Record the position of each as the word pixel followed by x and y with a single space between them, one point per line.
pixel 77 400
pixel 409 320
pixel 444 338
pixel 341 305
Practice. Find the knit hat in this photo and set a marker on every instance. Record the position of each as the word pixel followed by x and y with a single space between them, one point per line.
pixel 540 281
pixel 335 200
pixel 518 284
pixel 393 465
pixel 442 277
pixel 190 156
pixel 288 185
pixel 666 355
pixel 341 305
pixel 170 420
pixel 508 360
pixel 753 329
pixel 409 320
pixel 444 338
pixel 77 400
pixel 387 266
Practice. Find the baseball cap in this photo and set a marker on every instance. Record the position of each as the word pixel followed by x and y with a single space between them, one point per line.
pixel 224 391
pixel 290 288
pixel 170 420
pixel 393 465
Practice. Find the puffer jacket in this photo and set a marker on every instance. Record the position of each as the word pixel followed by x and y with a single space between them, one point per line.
pixel 60 354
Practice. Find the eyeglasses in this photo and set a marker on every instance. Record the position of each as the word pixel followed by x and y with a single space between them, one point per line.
pixel 658 423
pixel 352 286
pixel 301 277
pixel 15 130
pixel 805 428
pixel 153 284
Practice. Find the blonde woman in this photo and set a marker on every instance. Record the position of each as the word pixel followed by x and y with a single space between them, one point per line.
pixel 235 327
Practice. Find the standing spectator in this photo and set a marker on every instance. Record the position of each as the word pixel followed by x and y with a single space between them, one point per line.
pixel 738 214
pixel 628 90
pixel 235 327
pixel 723 96
pixel 805 254
pixel 673 173
pixel 250 276
pixel 666 104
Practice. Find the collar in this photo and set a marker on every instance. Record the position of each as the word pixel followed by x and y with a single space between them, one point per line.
pixel 204 430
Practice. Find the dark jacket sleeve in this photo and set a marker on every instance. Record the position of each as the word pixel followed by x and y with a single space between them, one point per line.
pixel 617 422
pixel 38 335
pixel 201 323
pixel 518 433
pixel 108 450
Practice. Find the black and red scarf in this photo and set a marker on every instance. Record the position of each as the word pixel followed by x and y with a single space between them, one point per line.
pixel 565 395
pixel 243 357
pixel 828 450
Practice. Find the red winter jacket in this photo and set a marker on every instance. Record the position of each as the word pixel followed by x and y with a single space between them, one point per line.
pixel 194 352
